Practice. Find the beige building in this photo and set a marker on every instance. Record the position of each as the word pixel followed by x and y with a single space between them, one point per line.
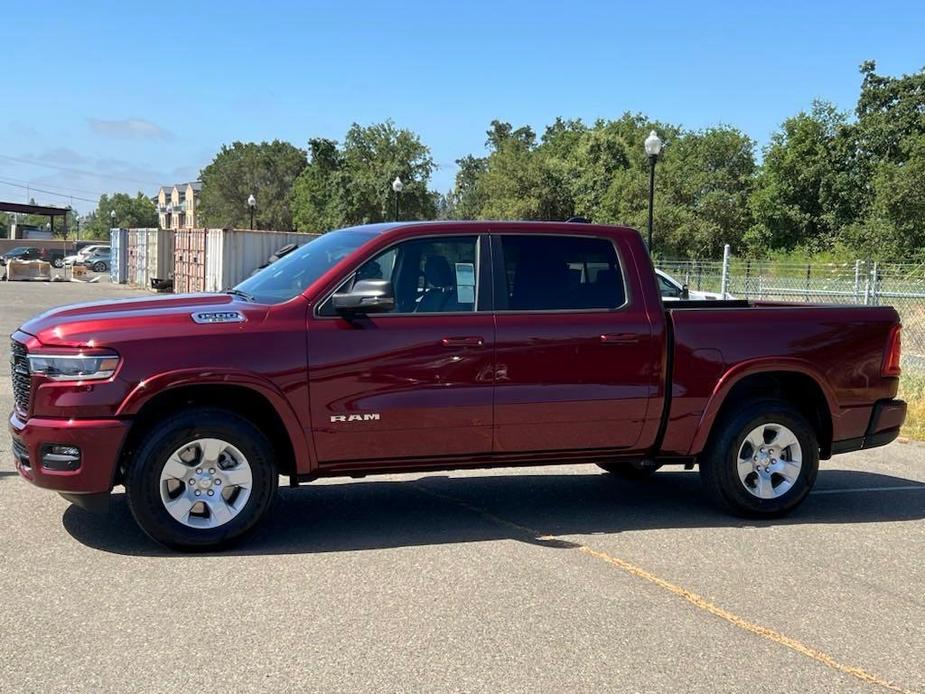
pixel 176 205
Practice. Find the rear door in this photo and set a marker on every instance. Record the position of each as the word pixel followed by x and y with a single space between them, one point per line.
pixel 577 362
pixel 416 382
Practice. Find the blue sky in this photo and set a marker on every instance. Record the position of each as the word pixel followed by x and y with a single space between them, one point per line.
pixel 125 96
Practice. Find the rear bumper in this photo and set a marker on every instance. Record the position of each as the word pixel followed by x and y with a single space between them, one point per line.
pixel 886 419
pixel 99 440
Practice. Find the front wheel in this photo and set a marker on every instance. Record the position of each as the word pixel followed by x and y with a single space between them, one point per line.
pixel 762 460
pixel 201 480
pixel 58 262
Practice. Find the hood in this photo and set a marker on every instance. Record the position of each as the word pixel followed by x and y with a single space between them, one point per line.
pixel 104 323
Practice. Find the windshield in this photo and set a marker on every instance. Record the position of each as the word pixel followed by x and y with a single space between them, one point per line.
pixel 293 273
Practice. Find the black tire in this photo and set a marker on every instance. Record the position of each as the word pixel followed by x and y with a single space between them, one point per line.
pixel 143 486
pixel 99 266
pixel 718 463
pixel 58 263
pixel 633 471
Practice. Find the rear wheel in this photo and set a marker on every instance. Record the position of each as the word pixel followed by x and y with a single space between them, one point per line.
pixel 201 480
pixel 634 471
pixel 762 460
pixel 99 266
pixel 58 262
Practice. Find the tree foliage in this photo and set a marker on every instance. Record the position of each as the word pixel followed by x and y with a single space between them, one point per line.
pixel 601 172
pixel 352 183
pixel 266 170
pixel 828 180
pixel 131 212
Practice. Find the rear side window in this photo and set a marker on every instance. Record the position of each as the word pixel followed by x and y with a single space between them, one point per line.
pixel 561 273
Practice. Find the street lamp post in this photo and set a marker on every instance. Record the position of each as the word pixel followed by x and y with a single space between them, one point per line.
pixel 252 204
pixel 397 186
pixel 653 145
pixel 112 219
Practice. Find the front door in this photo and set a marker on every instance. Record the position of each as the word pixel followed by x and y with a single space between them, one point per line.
pixel 576 359
pixel 416 382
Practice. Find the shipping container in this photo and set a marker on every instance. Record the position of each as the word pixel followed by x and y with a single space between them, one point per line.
pixel 137 256
pixel 159 256
pixel 189 273
pixel 118 268
pixel 233 254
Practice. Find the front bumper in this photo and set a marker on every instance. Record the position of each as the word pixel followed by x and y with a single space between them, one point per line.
pixel 886 420
pixel 100 442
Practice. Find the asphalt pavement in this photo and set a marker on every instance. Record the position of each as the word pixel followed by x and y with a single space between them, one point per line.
pixel 544 579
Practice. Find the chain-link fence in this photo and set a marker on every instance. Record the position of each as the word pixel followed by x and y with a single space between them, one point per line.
pixel 863 282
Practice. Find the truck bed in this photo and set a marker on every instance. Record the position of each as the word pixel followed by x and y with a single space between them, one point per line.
pixel 713 344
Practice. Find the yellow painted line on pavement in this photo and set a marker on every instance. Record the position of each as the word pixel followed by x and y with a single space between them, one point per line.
pixel 724 614
pixel 691 597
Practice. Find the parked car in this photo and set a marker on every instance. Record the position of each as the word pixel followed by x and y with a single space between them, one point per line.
pixel 55 256
pixel 673 290
pixel 422 346
pixel 19 253
pixel 82 254
pixel 98 260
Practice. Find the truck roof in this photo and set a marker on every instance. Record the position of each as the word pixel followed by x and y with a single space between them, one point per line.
pixel 483 225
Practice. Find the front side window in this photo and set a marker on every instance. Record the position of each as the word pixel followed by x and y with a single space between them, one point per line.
pixel 428 275
pixel 560 273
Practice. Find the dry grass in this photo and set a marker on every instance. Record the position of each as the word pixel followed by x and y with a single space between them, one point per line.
pixel 912 390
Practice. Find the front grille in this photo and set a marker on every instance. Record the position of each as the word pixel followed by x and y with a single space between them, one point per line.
pixel 22 380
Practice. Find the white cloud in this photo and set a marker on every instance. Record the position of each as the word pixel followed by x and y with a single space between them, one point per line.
pixel 128 129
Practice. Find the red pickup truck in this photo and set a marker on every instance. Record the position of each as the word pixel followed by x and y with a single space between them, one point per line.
pixel 437 346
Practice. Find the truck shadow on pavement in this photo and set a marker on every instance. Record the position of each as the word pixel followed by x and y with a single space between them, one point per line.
pixel 337 516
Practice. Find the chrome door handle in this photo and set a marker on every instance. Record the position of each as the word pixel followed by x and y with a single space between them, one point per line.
pixel 462 342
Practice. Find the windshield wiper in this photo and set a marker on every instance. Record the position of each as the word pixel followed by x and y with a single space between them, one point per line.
pixel 243 295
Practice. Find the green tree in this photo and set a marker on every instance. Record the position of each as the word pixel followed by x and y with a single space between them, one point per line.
pixel 466 200
pixel 373 156
pixel 801 193
pixel 131 212
pixel 512 181
pixel 318 193
pixel 894 227
pixel 601 172
pixel 888 166
pixel 706 177
pixel 352 184
pixel 266 170
pixel 889 111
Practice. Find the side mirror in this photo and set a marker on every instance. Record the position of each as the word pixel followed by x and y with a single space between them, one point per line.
pixel 685 292
pixel 367 296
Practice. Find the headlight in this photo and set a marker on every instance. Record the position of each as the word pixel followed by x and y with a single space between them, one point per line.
pixel 74 367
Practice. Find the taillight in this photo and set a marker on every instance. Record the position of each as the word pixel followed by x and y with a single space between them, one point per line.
pixel 893 353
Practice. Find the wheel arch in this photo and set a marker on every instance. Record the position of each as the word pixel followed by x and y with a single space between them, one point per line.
pixel 266 409
pixel 795 383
